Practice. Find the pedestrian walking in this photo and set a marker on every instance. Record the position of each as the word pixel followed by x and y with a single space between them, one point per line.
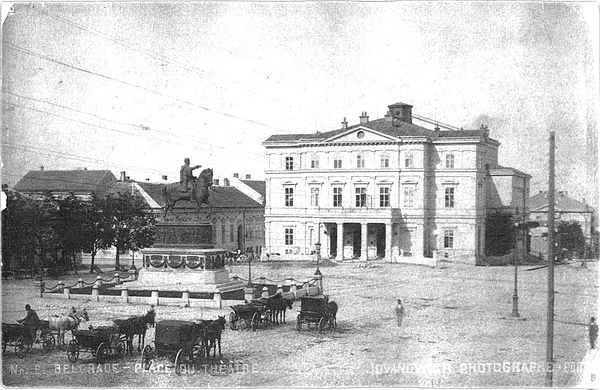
pixel 593 332
pixel 399 312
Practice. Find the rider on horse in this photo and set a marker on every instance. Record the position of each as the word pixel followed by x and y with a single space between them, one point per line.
pixel 186 176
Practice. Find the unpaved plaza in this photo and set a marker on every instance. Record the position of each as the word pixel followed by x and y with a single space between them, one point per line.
pixel 456 332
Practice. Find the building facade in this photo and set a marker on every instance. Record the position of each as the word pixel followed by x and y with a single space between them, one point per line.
pixel 385 188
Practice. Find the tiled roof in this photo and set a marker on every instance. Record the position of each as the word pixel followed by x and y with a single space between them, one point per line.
pixel 76 181
pixel 257 185
pixel 563 203
pixel 220 197
pixel 402 129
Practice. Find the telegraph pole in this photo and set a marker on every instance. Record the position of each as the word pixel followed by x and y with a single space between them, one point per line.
pixel 551 250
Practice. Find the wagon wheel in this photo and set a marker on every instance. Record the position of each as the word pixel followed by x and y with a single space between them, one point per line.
pixel 73 351
pixel 232 321
pixel 178 360
pixel 48 342
pixel 255 321
pixel 20 348
pixel 147 354
pixel 101 352
pixel 322 323
pixel 120 349
pixel 299 322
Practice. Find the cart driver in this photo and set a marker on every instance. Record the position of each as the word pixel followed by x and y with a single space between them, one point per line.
pixel 31 321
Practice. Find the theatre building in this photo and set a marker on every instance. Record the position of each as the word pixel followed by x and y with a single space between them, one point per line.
pixel 386 188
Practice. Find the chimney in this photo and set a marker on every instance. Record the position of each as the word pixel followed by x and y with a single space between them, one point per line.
pixel 401 111
pixel 226 182
pixel 41 167
pixel 237 176
pixel 436 128
pixel 127 178
pixel 584 202
pixel 344 124
pixel 164 177
pixel 388 117
pixel 216 182
pixel 123 177
pixel 147 179
pixel 364 118
pixel 247 176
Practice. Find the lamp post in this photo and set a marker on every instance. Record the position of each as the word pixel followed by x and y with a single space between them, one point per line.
pixel 318 250
pixel 250 271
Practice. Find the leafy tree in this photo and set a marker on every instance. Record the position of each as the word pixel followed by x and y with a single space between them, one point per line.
pixel 97 227
pixel 499 233
pixel 571 236
pixel 133 224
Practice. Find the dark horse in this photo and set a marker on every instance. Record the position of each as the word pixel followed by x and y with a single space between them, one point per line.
pixel 211 334
pixel 200 191
pixel 136 325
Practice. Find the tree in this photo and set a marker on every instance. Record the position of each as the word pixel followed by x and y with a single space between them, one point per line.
pixel 571 236
pixel 134 225
pixel 97 227
pixel 70 221
pixel 499 233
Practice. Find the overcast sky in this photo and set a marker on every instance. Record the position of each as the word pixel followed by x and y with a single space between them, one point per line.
pixel 137 87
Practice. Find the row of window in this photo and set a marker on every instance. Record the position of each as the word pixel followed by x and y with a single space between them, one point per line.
pixel 360 162
pixel 360 194
pixel 448 237
pixel 250 233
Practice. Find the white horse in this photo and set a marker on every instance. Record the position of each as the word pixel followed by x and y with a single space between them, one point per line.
pixel 67 322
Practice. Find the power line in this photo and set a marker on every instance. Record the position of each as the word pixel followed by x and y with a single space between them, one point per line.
pixel 100 75
pixel 140 126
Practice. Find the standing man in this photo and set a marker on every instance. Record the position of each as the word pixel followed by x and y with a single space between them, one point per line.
pixel 399 312
pixel 31 321
pixel 593 332
pixel 186 175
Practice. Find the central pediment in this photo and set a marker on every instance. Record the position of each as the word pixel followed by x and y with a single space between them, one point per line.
pixel 360 134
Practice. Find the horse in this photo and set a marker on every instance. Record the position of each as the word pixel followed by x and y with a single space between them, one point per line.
pixel 135 326
pixel 281 306
pixel 332 308
pixel 211 335
pixel 200 191
pixel 65 323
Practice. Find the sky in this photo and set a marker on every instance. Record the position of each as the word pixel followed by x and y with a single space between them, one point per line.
pixel 137 87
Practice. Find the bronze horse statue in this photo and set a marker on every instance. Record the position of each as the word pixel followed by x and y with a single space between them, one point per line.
pixel 200 191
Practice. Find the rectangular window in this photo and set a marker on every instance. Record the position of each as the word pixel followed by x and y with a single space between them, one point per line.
pixel 408 196
pixel 231 238
pixel 337 196
pixel 289 196
pixel 384 196
pixel 385 162
pixel 289 163
pixel 448 238
pixel 314 163
pixel 314 197
pixel 223 234
pixel 449 161
pixel 361 196
pixel 337 163
pixel 289 236
pixel 449 197
pixel 408 160
pixel 360 161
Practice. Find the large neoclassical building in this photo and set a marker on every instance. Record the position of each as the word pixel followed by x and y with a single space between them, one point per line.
pixel 386 188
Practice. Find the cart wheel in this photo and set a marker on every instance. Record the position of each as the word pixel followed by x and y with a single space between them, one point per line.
pixel 147 357
pixel 101 352
pixel 73 351
pixel 322 323
pixel 120 349
pixel 232 321
pixel 48 342
pixel 20 348
pixel 255 320
pixel 299 322
pixel 178 360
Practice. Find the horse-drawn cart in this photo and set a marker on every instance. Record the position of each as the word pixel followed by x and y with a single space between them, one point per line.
pixel 253 314
pixel 18 336
pixel 181 340
pixel 317 310
pixel 101 342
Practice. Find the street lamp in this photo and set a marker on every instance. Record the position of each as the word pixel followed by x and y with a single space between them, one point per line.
pixel 318 252
pixel 250 271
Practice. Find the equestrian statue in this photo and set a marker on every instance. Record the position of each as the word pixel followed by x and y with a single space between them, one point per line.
pixel 189 187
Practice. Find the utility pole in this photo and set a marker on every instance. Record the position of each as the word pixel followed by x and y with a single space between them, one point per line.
pixel 551 250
